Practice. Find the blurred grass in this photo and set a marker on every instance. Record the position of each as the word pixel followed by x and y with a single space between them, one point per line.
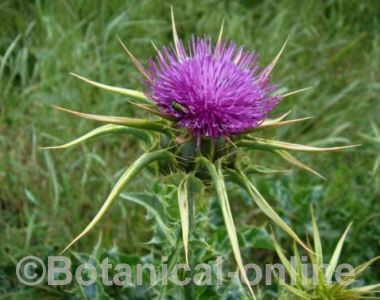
pixel 48 197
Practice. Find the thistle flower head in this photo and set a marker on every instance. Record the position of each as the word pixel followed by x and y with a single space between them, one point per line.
pixel 212 90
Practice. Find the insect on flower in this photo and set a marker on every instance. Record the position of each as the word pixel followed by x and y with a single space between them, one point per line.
pixel 215 96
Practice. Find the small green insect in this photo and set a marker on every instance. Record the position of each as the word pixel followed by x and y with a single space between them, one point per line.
pixel 179 107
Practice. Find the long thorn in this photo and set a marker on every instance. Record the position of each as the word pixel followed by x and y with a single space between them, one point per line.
pixel 135 61
pixel 220 36
pixel 264 75
pixel 296 92
pixel 175 34
pixel 123 91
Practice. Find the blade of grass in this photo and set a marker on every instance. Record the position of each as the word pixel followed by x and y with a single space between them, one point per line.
pixel 7 54
pixel 54 179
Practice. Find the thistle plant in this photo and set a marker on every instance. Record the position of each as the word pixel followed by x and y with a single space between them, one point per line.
pixel 208 102
pixel 318 282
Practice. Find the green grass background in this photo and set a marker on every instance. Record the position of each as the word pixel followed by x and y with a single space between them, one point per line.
pixel 46 198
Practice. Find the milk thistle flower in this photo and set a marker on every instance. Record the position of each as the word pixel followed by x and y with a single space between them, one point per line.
pixel 211 90
pixel 208 101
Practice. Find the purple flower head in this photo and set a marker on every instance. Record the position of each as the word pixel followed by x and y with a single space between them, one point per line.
pixel 212 90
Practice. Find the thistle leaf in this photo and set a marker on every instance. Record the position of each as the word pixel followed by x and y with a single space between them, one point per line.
pixel 105 129
pixel 127 92
pixel 127 176
pixel 294 161
pixel 218 180
pixel 267 144
pixel 358 270
pixel 131 122
pixel 265 206
pixel 183 204
pixel 297 292
pixel 335 258
pixel 366 289
pixel 317 239
pixel 285 262
pixel 304 280
pixel 263 170
pixel 318 264
pixel 147 202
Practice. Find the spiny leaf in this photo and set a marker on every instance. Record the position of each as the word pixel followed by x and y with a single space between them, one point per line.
pixel 358 270
pixel 335 258
pixel 183 204
pixel 218 180
pixel 302 276
pixel 318 268
pixel 294 161
pixel 366 289
pixel 265 206
pixel 285 262
pixel 147 203
pixel 127 92
pixel 263 170
pixel 131 122
pixel 265 144
pixel 105 129
pixel 127 176
pixel 297 292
